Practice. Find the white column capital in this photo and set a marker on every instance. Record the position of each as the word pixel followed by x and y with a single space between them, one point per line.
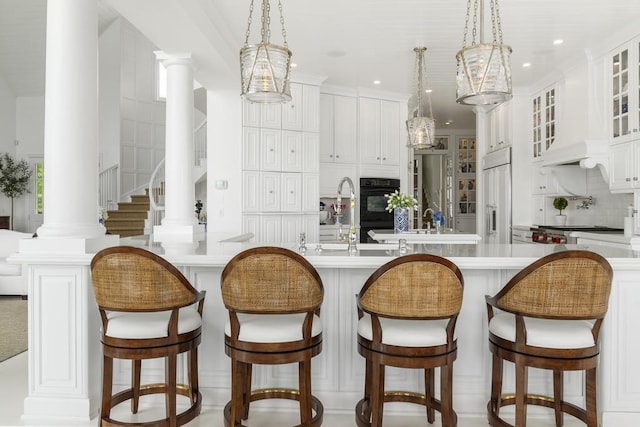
pixel 169 59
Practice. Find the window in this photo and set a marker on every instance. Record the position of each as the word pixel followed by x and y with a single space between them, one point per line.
pixel 39 188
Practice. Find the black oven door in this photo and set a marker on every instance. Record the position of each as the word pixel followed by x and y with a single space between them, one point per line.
pixel 373 205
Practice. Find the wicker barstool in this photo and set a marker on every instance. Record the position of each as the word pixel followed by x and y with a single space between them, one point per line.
pixel 273 296
pixel 407 312
pixel 148 310
pixel 549 316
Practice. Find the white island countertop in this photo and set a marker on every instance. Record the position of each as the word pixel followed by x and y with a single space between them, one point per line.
pixel 210 251
pixel 425 236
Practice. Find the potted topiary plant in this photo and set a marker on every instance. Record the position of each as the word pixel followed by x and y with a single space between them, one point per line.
pixel 14 179
pixel 561 204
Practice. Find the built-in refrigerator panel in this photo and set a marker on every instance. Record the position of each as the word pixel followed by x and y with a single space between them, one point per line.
pixel 496 174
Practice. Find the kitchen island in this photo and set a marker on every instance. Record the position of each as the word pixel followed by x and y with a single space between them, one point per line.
pixel 338 372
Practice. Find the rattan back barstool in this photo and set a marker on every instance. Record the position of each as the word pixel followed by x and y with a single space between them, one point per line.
pixel 149 310
pixel 273 296
pixel 407 312
pixel 548 316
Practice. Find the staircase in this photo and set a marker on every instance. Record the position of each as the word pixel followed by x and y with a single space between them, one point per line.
pixel 129 219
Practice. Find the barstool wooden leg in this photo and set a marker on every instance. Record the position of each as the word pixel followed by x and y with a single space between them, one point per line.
pixel 304 384
pixel 521 392
pixel 170 391
pixel 246 389
pixel 377 392
pixel 591 397
pixel 107 387
pixel 446 393
pixel 237 389
pixel 136 366
pixel 558 395
pixel 496 384
pixel 192 369
pixel 368 377
pixel 429 393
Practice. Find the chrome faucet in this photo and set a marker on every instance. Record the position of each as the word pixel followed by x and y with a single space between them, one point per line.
pixel 352 210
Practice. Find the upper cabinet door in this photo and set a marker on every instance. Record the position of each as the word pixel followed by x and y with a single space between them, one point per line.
pixel 369 125
pixel 271 116
pixel 345 131
pixel 292 111
pixel 623 99
pixel 389 132
pixel 544 119
pixel 311 108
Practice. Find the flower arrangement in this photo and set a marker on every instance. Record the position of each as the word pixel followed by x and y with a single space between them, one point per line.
pixel 102 215
pixel 400 200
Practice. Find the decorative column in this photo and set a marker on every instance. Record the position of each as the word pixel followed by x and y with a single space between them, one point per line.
pixel 179 220
pixel 64 325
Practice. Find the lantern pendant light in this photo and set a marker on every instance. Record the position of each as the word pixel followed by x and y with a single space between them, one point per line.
pixel 484 69
pixel 265 68
pixel 421 129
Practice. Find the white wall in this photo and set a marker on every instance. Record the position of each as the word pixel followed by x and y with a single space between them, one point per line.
pixel 224 162
pixel 7 132
pixel 109 95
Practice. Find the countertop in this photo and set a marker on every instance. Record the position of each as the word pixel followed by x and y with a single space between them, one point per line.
pixel 210 251
pixel 447 236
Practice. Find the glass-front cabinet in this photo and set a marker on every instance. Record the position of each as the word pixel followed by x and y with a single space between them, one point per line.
pixel 544 110
pixel 624 104
pixel 466 176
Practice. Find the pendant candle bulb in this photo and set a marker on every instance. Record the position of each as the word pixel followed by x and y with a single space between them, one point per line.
pixel 420 128
pixel 265 68
pixel 483 69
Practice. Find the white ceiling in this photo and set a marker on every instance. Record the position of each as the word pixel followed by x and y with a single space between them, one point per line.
pixel 351 42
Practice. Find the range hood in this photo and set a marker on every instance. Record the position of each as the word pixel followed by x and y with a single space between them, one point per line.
pixel 585 153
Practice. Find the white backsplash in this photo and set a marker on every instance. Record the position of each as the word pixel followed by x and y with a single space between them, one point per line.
pixel 608 209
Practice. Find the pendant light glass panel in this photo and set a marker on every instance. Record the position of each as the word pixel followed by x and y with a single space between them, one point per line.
pixel 420 128
pixel 484 69
pixel 484 74
pixel 265 73
pixel 265 68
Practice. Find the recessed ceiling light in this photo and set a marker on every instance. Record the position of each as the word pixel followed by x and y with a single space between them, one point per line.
pixel 526 64
pixel 558 41
pixel 294 65
pixel 428 90
pixel 376 82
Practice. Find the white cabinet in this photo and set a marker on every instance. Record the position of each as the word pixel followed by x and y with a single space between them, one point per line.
pixel 310 152
pixel 379 126
pixel 539 210
pixel 500 127
pixel 281 229
pixel 330 176
pixel 544 119
pixel 624 174
pixel 624 108
pixel 338 121
pixel 292 153
pixel 311 192
pixel 276 192
pixel 311 108
pixel 292 111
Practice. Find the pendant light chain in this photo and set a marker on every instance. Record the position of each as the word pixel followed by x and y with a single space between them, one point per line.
pixel 266 22
pixel 249 21
pixel 284 32
pixel 498 23
pixel 466 25
pixel 493 21
pixel 475 23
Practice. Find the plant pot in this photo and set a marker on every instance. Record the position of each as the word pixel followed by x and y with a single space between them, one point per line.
pixel 561 219
pixel 400 220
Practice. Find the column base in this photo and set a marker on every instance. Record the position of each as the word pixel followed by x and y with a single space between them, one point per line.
pixel 178 233
pixel 58 412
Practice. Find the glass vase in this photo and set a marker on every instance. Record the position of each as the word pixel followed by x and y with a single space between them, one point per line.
pixel 400 220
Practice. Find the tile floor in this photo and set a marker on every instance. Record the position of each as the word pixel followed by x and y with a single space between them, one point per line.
pixel 13 389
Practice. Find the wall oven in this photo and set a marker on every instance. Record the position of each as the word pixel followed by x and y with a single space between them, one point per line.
pixel 373 204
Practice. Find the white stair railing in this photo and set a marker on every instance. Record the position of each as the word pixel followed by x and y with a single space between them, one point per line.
pixel 200 143
pixel 156 194
pixel 108 188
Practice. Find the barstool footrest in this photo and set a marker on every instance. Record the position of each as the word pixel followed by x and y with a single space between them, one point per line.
pixel 279 393
pixel 533 399
pixel 400 396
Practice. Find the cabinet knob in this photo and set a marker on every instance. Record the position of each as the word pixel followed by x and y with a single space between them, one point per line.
pixel 635 178
pixel 627 179
pixel 271 149
pixel 377 158
pixel 291 192
pixel 337 156
pixel 270 191
pixel 384 158
pixel 293 151
pixel 330 155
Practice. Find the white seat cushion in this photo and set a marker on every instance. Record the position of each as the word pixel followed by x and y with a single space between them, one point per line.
pixel 406 333
pixel 545 332
pixel 7 269
pixel 150 325
pixel 268 328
